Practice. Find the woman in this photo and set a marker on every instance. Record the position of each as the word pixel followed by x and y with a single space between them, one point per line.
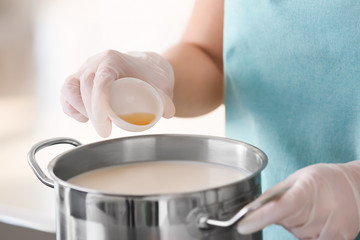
pixel 290 72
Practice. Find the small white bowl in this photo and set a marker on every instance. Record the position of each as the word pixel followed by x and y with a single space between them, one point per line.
pixel 135 104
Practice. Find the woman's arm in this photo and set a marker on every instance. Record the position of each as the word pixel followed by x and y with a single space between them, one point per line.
pixel 197 61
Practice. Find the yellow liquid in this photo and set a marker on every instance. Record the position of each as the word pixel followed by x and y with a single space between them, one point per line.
pixel 138 118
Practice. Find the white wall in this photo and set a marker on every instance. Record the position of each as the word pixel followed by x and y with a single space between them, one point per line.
pixel 68 32
pixel 16 67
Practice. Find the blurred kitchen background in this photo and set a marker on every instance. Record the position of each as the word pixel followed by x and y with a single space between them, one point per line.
pixel 41 43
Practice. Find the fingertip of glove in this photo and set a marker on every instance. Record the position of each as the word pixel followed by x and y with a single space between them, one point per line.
pixel 81 118
pixel 78 117
pixel 244 229
pixel 103 134
pixel 73 113
pixel 103 129
pixel 169 107
pixel 250 224
pixel 169 112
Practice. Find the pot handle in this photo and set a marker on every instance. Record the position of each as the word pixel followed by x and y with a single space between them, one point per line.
pixel 205 222
pixel 37 147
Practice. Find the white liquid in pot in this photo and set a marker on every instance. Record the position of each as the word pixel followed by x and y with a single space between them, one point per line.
pixel 158 177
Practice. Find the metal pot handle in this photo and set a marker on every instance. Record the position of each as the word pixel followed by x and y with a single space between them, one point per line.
pixel 205 222
pixel 37 147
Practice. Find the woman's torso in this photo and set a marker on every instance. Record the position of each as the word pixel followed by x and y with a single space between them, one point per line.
pixel 292 71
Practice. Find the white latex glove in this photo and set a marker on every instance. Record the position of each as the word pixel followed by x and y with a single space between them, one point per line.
pixel 322 203
pixel 85 94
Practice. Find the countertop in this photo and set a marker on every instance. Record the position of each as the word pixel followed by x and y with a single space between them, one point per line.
pixel 24 200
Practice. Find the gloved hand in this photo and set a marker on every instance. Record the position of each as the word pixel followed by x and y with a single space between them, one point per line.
pixel 322 203
pixel 85 94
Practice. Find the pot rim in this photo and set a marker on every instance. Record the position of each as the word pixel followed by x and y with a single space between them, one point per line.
pixel 59 181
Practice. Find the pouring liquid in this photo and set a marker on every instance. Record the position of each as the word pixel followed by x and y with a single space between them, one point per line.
pixel 138 118
pixel 158 177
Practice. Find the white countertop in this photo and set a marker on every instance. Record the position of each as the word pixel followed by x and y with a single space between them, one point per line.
pixel 24 200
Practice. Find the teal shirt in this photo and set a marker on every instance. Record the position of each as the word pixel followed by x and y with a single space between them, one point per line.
pixel 292 83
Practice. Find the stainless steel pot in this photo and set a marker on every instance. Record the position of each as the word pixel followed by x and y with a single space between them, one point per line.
pixel 209 214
